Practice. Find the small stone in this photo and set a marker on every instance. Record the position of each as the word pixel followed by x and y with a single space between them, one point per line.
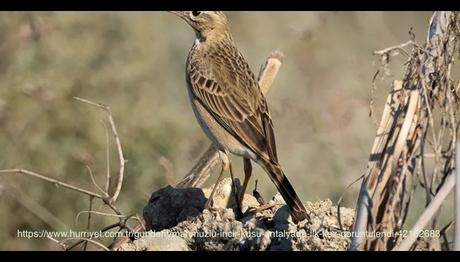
pixel 282 216
pixel 266 240
pixel 218 229
pixel 249 201
pixel 166 206
pixel 187 213
pixel 228 214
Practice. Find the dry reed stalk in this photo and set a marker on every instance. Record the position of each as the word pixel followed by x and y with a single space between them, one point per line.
pixel 420 112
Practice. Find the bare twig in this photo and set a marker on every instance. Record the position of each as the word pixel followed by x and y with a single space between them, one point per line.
pixel 399 47
pixel 88 225
pixel 51 180
pixel 339 202
pixel 62 245
pixel 372 98
pixel 427 214
pixel 107 174
pixel 443 233
pixel 117 142
pixel 67 186
pixel 97 213
pixel 87 240
pixel 35 208
pixel 90 172
pixel 111 226
pixel 106 197
pixel 407 119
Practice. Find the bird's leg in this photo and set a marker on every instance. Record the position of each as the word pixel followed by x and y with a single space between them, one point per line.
pixel 247 176
pixel 235 193
pixel 225 166
pixel 257 195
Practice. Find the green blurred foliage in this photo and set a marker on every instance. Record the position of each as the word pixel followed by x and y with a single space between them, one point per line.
pixel 134 62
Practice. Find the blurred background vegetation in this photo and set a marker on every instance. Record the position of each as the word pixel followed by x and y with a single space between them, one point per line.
pixel 134 62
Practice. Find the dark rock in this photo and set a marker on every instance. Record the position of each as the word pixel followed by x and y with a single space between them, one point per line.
pixel 169 206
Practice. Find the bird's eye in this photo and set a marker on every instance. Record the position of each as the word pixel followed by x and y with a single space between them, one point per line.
pixel 196 13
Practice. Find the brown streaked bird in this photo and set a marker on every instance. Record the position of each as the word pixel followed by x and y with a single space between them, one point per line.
pixel 229 105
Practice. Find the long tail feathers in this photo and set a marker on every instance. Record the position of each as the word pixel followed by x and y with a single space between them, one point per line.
pixel 287 191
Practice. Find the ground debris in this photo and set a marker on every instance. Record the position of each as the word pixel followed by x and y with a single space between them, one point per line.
pixel 218 229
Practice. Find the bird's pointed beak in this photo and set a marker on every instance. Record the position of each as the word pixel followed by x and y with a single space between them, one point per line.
pixel 180 14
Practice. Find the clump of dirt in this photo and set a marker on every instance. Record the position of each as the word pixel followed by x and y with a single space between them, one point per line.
pixel 219 229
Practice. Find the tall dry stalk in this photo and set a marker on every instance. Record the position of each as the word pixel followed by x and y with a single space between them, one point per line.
pixel 415 141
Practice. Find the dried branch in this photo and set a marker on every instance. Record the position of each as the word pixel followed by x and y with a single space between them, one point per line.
pixel 107 161
pixel 87 240
pixel 35 208
pixel 121 159
pixel 93 180
pixel 201 171
pixel 339 202
pixel 108 199
pixel 364 198
pixel 88 225
pixel 51 180
pixel 62 245
pixel 427 214
pixel 443 233
pixel 102 230
pixel 400 47
pixel 398 149
pixel 97 213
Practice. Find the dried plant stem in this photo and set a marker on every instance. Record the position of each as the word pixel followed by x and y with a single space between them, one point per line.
pixel 51 180
pixel 397 158
pixel 102 230
pixel 35 208
pixel 90 172
pixel 393 48
pixel 105 196
pixel 427 214
pixel 62 245
pixel 107 174
pixel 88 225
pixel 86 240
pixel 96 213
pixel 121 158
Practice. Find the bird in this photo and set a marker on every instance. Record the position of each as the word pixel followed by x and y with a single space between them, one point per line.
pixel 229 105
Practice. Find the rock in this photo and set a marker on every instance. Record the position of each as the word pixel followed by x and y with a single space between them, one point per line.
pixel 282 216
pixel 249 201
pixel 266 240
pixel 181 211
pixel 169 206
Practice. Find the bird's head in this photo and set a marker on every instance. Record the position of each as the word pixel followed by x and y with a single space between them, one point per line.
pixel 207 24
